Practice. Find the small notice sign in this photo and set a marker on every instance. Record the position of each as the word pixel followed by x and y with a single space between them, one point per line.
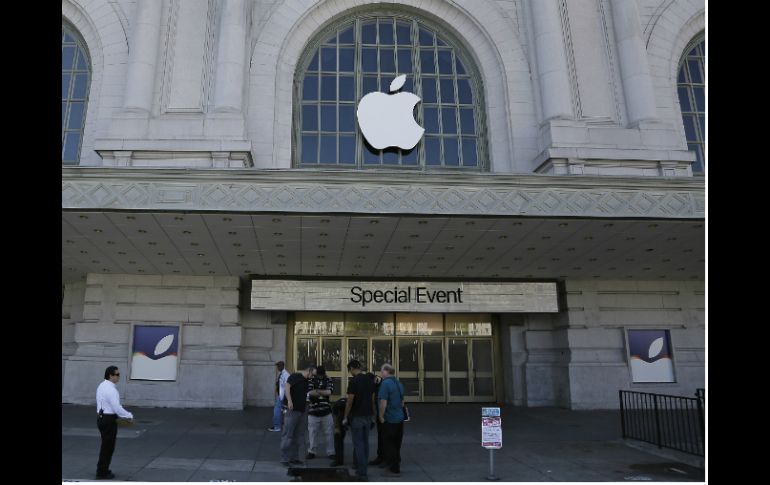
pixel 491 428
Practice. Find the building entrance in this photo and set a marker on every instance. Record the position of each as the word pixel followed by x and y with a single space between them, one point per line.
pixel 438 357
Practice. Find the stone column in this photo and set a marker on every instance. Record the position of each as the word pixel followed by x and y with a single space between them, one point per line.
pixel 552 70
pixel 228 85
pixel 634 67
pixel 143 56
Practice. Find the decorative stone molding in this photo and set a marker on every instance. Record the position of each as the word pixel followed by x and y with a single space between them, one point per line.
pixel 643 168
pixel 178 159
pixel 380 192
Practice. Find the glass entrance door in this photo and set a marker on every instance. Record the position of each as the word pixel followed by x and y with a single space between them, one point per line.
pixel 438 358
pixel 482 370
pixel 408 367
pixel 420 368
pixel 470 374
pixel 432 375
pixel 331 360
pixel 458 373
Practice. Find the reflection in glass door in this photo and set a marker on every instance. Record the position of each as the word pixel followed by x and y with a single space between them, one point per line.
pixel 483 378
pixel 438 358
pixel 471 376
pixel 307 353
pixel 408 367
pixel 358 349
pixel 331 360
pixel 458 372
pixel 432 375
pixel 382 353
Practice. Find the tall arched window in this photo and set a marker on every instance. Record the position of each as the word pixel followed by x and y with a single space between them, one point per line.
pixel 691 87
pixel 364 54
pixel 75 83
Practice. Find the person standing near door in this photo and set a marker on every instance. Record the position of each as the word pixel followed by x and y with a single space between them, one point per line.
pixel 108 410
pixel 319 420
pixel 280 379
pixel 359 412
pixel 391 418
pixel 295 420
pixel 380 459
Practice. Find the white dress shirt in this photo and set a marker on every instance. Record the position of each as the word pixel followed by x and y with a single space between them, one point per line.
pixel 281 381
pixel 108 399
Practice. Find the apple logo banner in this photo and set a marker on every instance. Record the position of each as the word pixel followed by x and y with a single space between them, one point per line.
pixel 155 352
pixel 650 356
pixel 387 120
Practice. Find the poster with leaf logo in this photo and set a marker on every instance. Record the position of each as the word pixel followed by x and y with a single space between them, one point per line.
pixel 155 352
pixel 650 356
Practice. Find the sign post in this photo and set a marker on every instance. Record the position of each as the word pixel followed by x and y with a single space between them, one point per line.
pixel 491 436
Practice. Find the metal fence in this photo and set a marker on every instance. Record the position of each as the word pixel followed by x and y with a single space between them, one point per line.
pixel 674 422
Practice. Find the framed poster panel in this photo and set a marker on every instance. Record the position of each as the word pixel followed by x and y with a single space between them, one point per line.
pixel 650 356
pixel 155 352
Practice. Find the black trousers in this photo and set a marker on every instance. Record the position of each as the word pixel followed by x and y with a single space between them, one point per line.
pixel 339 444
pixel 108 427
pixel 392 436
pixel 380 446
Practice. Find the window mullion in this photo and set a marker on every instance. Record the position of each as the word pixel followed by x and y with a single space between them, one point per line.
pixel 460 162
pixel 337 101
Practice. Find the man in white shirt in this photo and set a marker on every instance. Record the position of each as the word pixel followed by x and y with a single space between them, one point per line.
pixel 108 410
pixel 280 380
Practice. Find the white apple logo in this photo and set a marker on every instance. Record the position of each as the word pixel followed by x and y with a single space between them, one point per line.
pixel 386 120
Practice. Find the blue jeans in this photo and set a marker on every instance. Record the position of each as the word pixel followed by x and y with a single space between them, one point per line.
pixel 293 435
pixel 359 428
pixel 277 413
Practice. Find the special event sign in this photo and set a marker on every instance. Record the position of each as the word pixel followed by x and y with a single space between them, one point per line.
pixel 424 296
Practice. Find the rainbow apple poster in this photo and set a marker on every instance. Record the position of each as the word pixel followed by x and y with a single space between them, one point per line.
pixel 650 356
pixel 155 352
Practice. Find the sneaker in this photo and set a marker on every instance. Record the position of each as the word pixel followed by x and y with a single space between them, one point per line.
pixel 310 456
pixel 296 462
pixel 106 476
pixel 273 429
pixel 376 461
pixel 391 473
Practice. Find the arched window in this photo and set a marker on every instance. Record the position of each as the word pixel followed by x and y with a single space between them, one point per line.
pixel 364 54
pixel 691 87
pixel 75 83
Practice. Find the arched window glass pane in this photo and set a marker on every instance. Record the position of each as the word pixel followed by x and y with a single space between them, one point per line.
pixel 75 83
pixel 363 55
pixel 691 89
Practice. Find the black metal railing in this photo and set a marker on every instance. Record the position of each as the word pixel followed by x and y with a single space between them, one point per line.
pixel 674 422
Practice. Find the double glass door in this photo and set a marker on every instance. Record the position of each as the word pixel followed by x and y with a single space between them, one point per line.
pixel 470 370
pixel 431 369
pixel 438 357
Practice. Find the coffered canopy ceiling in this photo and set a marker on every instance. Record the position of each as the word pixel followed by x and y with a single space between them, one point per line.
pixel 342 245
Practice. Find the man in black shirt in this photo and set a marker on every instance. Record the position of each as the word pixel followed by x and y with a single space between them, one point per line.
pixel 359 412
pixel 295 420
pixel 380 445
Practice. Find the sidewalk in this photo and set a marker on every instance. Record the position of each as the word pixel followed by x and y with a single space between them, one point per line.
pixel 441 443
